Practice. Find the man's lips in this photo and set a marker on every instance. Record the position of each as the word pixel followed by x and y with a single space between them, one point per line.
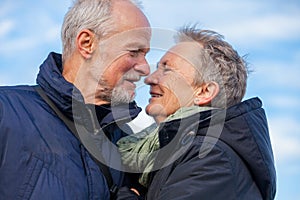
pixel 132 81
pixel 130 84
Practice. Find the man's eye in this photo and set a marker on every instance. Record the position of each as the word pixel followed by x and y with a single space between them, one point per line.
pixel 134 53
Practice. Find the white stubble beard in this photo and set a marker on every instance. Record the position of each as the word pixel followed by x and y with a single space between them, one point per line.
pixel 119 94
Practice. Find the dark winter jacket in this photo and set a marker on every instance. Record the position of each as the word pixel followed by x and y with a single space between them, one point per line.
pixel 39 157
pixel 216 155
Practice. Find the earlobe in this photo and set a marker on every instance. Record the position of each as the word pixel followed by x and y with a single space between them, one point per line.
pixel 206 93
pixel 85 43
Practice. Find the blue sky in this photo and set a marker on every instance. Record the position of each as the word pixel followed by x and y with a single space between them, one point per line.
pixel 267 31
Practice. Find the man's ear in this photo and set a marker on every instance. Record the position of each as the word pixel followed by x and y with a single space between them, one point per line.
pixel 206 93
pixel 85 42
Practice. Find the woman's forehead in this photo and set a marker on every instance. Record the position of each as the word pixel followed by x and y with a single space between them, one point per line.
pixel 188 51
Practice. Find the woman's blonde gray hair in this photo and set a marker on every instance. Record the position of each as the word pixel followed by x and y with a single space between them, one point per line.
pixel 219 63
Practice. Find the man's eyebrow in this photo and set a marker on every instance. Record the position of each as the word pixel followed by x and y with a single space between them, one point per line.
pixel 137 45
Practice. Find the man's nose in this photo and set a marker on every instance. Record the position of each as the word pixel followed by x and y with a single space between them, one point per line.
pixel 142 67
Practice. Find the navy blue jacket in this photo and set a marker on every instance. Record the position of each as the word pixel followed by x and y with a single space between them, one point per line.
pixel 39 157
pixel 218 154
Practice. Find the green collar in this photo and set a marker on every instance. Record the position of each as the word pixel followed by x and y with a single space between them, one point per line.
pixel 186 112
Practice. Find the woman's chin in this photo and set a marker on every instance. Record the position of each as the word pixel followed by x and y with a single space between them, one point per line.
pixel 157 111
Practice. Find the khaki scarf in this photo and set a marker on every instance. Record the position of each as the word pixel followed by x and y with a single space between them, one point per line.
pixel 137 150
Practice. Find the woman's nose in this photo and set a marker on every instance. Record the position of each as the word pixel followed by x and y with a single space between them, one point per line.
pixel 152 78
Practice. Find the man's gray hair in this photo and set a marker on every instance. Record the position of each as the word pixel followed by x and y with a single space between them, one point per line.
pixel 94 15
pixel 220 63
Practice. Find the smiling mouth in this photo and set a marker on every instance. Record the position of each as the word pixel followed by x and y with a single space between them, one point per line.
pixel 155 95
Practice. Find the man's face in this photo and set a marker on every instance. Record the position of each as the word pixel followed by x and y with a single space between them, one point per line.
pixel 126 53
pixel 119 61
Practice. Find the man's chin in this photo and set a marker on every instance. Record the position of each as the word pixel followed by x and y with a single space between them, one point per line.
pixel 120 96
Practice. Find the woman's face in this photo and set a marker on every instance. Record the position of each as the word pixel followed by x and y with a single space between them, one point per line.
pixel 171 85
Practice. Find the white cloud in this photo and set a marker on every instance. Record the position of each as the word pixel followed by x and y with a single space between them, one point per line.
pixel 5 27
pixel 286 102
pixel 6 7
pixel 285 137
pixel 12 46
pixel 3 80
pixel 247 23
pixel 280 73
pixel 31 26
pixel 257 30
pixel 53 33
pixel 38 35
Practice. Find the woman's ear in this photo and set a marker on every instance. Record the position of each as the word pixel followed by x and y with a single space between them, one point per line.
pixel 85 42
pixel 206 93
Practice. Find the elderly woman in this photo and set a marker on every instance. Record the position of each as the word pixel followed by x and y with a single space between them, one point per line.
pixel 208 144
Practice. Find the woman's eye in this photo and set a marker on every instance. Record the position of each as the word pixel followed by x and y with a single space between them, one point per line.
pixel 164 67
pixel 167 69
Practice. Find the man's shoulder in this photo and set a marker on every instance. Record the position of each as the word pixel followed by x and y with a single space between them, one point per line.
pixel 16 95
pixel 9 91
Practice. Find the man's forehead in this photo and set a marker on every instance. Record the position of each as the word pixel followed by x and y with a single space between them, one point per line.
pixel 132 33
pixel 137 38
pixel 128 16
pixel 137 43
pixel 136 32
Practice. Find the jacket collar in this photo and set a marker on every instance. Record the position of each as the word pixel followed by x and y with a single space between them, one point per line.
pixel 209 117
pixel 71 102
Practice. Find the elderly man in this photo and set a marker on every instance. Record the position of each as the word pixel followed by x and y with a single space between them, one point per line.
pixel 104 48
